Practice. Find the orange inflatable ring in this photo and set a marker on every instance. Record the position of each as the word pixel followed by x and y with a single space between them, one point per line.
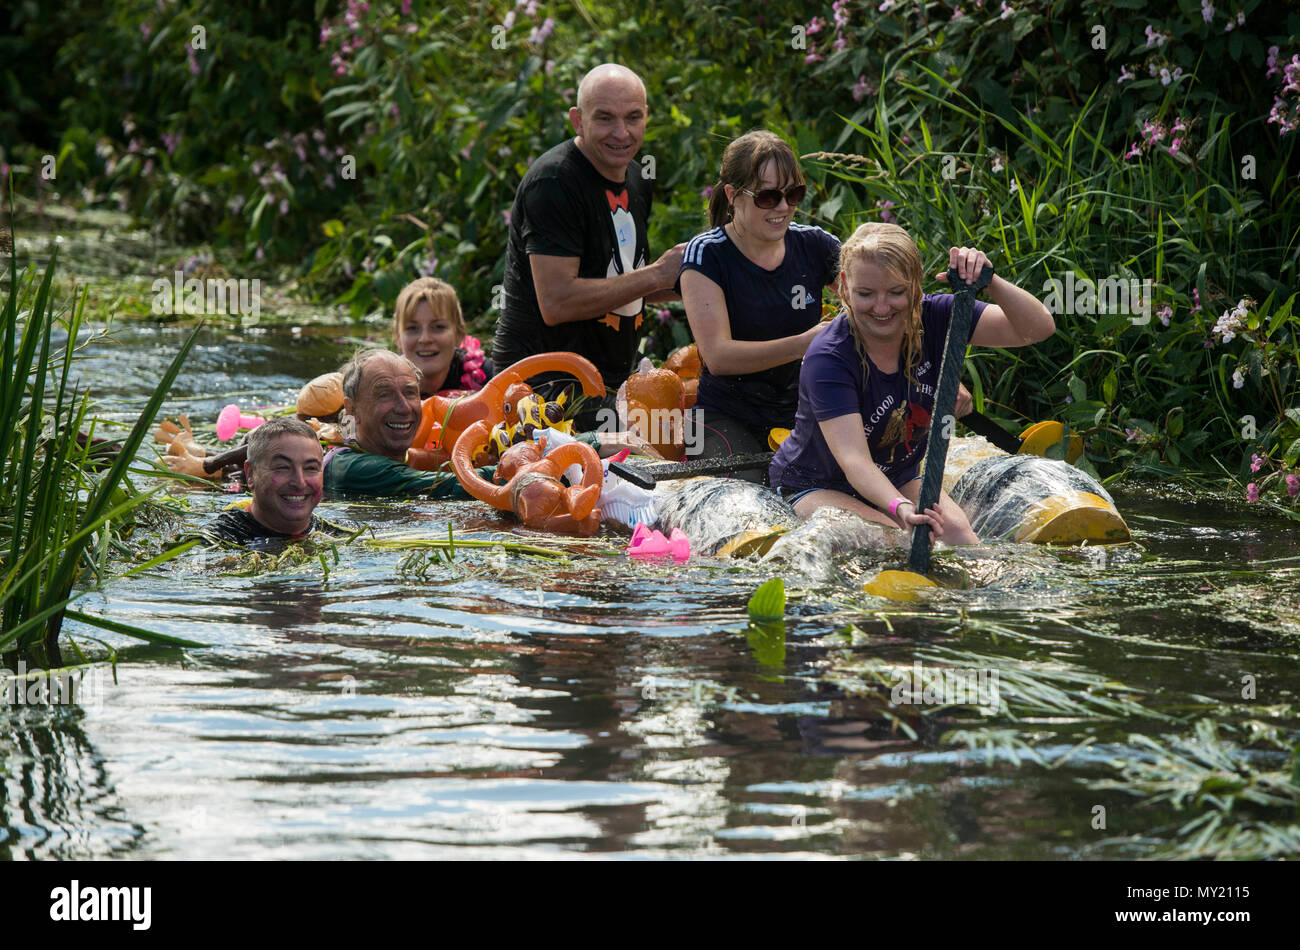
pixel 532 489
pixel 444 418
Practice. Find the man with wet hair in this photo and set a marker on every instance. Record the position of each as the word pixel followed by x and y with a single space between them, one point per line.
pixel 381 392
pixel 576 274
pixel 284 474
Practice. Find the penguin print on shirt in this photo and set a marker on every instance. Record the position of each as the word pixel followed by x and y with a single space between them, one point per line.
pixel 623 259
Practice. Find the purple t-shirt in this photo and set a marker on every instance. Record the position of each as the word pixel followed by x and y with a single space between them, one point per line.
pixel 895 412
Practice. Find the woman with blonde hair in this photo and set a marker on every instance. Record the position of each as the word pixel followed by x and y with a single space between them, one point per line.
pixel 866 388
pixel 430 331
pixel 752 289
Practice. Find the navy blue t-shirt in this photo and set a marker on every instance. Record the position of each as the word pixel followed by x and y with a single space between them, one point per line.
pixel 764 305
pixel 895 411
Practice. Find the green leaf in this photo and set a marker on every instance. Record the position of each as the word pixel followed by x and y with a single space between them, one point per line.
pixel 1292 453
pixel 1078 389
pixel 1109 386
pixel 332 228
pixel 767 640
pixel 768 602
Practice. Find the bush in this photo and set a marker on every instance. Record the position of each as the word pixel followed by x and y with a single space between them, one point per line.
pixel 368 143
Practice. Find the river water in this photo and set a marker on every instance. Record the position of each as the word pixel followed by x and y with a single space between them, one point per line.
pixel 368 703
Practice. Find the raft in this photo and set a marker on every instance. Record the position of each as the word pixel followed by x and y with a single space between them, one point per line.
pixel 1022 498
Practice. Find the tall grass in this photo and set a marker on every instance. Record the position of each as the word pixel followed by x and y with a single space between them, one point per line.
pixel 1046 203
pixel 58 517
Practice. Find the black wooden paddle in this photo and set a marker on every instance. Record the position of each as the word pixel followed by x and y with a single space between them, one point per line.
pixel 981 424
pixel 646 476
pixel 945 400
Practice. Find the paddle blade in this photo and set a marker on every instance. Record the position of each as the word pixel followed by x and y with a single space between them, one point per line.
pixel 898 585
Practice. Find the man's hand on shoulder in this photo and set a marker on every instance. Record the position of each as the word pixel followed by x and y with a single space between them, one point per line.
pixel 670 262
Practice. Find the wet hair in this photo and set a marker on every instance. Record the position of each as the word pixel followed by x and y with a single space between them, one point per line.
pixel 441 297
pixel 891 248
pixel 260 439
pixel 353 369
pixel 742 167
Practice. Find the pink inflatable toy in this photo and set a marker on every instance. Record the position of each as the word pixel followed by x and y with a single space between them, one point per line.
pixel 648 543
pixel 232 420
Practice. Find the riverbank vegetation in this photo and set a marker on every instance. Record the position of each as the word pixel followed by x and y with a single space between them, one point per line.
pixel 66 503
pixel 354 146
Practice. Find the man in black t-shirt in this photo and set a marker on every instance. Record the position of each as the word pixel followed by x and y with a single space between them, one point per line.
pixel 576 276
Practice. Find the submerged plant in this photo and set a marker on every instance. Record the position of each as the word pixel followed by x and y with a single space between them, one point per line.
pixel 1226 782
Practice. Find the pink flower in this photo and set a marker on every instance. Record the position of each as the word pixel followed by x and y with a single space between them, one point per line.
pixel 1166 312
pixel 1252 492
pixel 1124 75
pixel 885 214
pixel 284 205
pixel 406 7
pixel 706 192
pixel 1255 462
pixel 814 25
pixel 1292 485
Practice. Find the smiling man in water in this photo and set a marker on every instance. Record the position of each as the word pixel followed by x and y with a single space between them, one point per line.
pixel 284 474
pixel 381 392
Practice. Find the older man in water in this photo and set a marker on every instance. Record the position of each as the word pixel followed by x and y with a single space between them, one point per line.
pixel 284 474
pixel 381 392
pixel 577 271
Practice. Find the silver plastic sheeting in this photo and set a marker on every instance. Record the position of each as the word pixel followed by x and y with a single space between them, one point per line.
pixel 813 547
pixel 712 511
pixel 996 493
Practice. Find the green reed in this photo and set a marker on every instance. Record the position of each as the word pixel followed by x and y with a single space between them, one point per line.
pixel 59 515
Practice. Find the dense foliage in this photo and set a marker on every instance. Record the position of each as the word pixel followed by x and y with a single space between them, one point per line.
pixel 366 143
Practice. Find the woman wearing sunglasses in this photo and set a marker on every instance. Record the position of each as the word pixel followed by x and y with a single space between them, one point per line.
pixel 752 288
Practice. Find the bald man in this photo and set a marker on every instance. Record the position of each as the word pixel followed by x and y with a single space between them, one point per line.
pixel 577 277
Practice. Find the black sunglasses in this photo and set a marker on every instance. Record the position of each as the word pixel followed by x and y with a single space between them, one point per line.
pixel 769 198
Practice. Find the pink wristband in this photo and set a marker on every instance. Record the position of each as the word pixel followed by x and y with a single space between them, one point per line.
pixel 893 506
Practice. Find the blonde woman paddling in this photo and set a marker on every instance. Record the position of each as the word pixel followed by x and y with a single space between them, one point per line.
pixel 866 387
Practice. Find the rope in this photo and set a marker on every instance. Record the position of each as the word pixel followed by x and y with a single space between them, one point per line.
pixel 523 481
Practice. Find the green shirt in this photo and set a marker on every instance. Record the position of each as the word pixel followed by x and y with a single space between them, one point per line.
pixel 363 473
